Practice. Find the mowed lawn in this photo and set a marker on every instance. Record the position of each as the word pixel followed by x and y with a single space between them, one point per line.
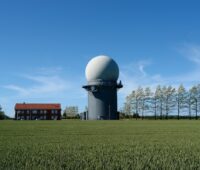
pixel 123 144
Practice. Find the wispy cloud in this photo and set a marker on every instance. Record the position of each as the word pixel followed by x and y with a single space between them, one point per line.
pixel 192 52
pixel 46 82
pixel 49 83
pixel 44 85
pixel 142 65
pixel 49 70
pixel 134 75
pixel 40 85
pixel 16 88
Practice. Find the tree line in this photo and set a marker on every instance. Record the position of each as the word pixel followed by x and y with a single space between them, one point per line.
pixel 3 115
pixel 71 112
pixel 164 102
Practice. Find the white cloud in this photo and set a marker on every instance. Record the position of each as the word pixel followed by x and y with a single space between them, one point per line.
pixel 134 75
pixel 48 83
pixel 141 65
pixel 16 88
pixel 44 85
pixel 192 52
pixel 41 85
pixel 49 70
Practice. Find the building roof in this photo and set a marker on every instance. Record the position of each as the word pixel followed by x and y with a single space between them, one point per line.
pixel 46 106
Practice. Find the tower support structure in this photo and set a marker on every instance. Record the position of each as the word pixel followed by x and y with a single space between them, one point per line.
pixel 102 99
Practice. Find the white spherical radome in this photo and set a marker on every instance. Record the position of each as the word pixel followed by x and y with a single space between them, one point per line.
pixel 102 68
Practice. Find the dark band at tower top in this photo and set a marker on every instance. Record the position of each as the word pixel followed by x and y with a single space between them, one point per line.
pixel 102 73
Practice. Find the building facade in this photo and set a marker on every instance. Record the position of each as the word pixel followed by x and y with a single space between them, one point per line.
pixel 33 111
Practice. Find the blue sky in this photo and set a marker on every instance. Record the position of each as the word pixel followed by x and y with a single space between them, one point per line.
pixel 45 46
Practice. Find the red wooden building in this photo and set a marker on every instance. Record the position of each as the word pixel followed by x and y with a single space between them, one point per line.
pixel 34 111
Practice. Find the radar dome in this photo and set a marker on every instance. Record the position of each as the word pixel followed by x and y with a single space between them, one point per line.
pixel 103 68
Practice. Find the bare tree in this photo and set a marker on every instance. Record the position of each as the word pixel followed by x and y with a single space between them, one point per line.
pixel 70 112
pixel 159 97
pixel 181 99
pixel 163 101
pixel 155 100
pixel 198 97
pixel 169 99
pixel 193 100
pixel 148 100
pixel 141 101
pixel 2 114
pixel 127 105
pixel 132 104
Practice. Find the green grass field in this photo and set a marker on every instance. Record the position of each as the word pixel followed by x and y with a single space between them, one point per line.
pixel 73 144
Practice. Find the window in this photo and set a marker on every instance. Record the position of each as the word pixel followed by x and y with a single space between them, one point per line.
pixel 52 111
pixel 34 111
pixel 34 118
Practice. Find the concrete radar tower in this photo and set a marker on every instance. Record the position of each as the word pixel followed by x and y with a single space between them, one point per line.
pixel 102 73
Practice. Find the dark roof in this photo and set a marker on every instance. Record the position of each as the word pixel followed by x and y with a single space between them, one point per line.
pixel 27 106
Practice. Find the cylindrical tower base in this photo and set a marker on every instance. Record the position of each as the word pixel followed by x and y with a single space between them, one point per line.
pixel 102 100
